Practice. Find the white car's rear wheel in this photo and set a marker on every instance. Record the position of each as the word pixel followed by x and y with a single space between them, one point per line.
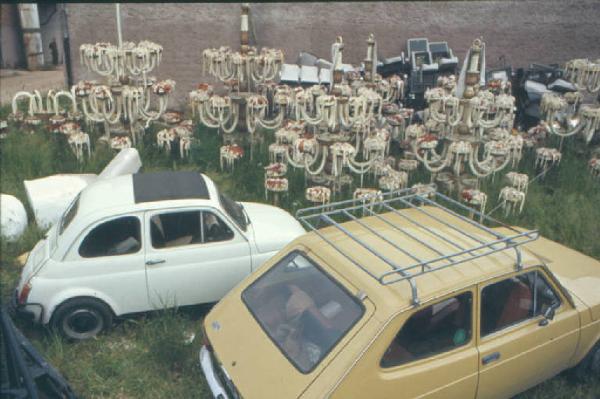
pixel 82 318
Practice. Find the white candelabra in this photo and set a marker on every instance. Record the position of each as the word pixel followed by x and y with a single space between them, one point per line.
pixel 467 133
pixel 242 72
pixel 566 115
pixel 327 131
pixel 340 128
pixel 123 104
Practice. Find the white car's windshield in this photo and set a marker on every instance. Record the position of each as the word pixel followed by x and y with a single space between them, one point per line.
pixel 302 309
pixel 234 210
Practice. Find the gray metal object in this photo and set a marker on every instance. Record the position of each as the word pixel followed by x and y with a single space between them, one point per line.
pixel 485 242
pixel 32 36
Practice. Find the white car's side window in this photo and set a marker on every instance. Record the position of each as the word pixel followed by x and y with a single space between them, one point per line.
pixel 119 236
pixel 174 229
pixel 214 229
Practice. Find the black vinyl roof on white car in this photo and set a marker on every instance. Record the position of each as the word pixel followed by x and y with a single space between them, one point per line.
pixel 160 186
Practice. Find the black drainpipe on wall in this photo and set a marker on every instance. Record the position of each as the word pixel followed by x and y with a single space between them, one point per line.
pixel 67 46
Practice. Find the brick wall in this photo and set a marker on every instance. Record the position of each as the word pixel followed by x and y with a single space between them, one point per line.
pixel 521 31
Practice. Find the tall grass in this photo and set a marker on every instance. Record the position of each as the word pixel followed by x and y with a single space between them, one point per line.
pixel 147 356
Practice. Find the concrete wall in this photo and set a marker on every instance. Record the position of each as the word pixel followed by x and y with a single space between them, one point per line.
pixel 52 30
pixel 11 41
pixel 11 44
pixel 521 31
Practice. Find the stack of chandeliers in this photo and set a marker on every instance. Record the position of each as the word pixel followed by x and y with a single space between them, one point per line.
pixel 332 132
pixel 568 115
pixel 123 104
pixel 243 73
pixel 467 134
pixel 329 131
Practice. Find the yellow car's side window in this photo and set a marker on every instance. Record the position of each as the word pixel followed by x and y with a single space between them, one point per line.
pixel 435 329
pixel 515 299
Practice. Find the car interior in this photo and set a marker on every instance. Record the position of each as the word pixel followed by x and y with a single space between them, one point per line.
pixel 116 237
pixel 437 328
pixel 184 228
pixel 513 300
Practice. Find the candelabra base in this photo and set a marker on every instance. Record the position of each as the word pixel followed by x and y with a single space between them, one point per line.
pixel 336 183
pixel 451 183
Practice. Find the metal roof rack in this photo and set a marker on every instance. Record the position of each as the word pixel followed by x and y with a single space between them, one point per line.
pixel 486 243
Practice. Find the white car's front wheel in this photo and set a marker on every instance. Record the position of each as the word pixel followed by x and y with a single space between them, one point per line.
pixel 82 318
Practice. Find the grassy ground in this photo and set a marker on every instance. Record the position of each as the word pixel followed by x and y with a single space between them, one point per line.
pixel 147 356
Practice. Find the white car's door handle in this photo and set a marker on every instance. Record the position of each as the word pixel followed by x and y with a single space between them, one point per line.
pixel 155 262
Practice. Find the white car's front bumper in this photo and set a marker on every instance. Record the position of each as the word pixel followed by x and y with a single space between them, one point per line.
pixel 216 388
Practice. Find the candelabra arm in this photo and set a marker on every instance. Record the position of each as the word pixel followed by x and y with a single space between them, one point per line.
pixel 236 116
pixel 434 169
pixel 487 124
pixel 435 157
pixel 311 121
pixel 321 166
pixel 476 166
pixel 93 117
pixel 66 94
pixel 163 101
pixel 360 167
pixel 203 114
pixel 272 124
pixel 15 100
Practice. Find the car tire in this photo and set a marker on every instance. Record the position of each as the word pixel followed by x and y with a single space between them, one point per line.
pixel 82 318
pixel 594 365
pixel 589 365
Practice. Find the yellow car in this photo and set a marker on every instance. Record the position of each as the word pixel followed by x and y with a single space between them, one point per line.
pixel 407 297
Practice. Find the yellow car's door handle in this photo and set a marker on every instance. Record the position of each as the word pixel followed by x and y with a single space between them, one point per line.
pixel 490 358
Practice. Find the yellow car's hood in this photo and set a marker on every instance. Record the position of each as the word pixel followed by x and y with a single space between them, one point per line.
pixel 578 273
pixel 252 361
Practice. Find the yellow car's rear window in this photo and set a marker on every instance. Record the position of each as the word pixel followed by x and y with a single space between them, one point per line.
pixel 302 309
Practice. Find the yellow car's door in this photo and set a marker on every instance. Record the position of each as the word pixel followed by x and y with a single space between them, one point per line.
pixel 429 352
pixel 518 346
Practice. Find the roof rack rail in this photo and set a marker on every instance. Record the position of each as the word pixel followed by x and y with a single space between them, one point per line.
pixel 489 242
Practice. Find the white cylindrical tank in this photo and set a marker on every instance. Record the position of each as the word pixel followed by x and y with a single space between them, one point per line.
pixel 13 218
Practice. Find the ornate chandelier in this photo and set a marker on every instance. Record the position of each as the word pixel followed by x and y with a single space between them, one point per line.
pixel 243 73
pixel 123 104
pixel 467 134
pixel 566 115
pixel 333 131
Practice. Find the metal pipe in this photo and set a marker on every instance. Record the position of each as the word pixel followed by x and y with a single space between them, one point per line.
pixel 355 219
pixel 119 33
pixel 32 36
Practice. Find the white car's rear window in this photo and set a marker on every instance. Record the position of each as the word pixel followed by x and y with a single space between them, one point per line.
pixel 304 311
pixel 69 215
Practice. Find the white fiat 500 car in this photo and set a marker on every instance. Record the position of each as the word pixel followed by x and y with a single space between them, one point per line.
pixel 141 242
